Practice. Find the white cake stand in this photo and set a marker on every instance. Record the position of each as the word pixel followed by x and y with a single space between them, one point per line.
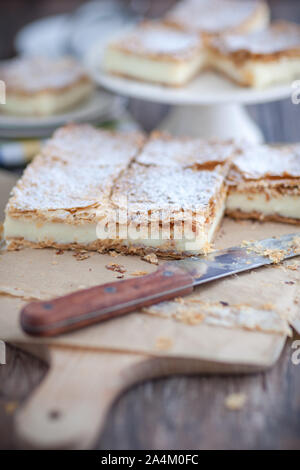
pixel 210 106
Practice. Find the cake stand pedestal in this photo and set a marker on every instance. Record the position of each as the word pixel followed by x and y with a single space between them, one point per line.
pixel 209 107
pixel 209 121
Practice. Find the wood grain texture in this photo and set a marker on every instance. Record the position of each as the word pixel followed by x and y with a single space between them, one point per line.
pixel 68 409
pixel 180 412
pixel 186 412
pixel 18 378
pixel 190 413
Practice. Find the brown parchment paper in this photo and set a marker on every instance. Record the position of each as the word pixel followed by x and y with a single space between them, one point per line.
pixel 42 274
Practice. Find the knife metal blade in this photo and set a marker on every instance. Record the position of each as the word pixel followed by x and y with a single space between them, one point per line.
pixel 237 259
pixel 172 279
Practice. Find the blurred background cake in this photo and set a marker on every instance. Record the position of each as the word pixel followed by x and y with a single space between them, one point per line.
pixel 43 86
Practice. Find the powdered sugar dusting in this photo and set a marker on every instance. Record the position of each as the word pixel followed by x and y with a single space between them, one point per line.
pixel 155 38
pixel 212 15
pixel 84 168
pixel 171 189
pixel 53 185
pixel 77 168
pixel 33 74
pixel 162 150
pixel 90 146
pixel 279 37
pixel 256 162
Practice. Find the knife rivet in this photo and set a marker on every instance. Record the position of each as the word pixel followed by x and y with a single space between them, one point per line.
pixel 48 306
pixel 168 273
pixel 110 289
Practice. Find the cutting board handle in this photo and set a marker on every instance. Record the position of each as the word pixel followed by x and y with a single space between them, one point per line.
pixel 100 303
pixel 68 409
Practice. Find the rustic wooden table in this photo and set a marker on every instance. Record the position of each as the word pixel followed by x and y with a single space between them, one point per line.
pixel 181 412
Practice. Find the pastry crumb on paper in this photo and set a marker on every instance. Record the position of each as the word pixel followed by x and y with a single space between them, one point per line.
pixel 268 306
pixel 295 244
pixel 292 267
pixel 81 255
pixel 150 258
pixel 189 317
pixel 235 401
pixel 139 273
pixel 25 294
pixel 163 343
pixel 193 311
pixel 276 256
pixel 117 268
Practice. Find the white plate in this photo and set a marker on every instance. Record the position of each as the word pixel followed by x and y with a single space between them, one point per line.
pixel 75 32
pixel 47 36
pixel 207 89
pixel 101 105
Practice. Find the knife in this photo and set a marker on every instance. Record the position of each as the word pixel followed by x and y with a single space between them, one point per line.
pixel 172 279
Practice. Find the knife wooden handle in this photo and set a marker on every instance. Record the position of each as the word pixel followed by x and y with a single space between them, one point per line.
pixel 104 302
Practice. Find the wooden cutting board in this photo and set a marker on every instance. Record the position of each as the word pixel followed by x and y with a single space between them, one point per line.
pixel 69 408
pixel 89 368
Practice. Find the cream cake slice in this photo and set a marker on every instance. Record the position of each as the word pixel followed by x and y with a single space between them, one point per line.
pixel 88 190
pixel 65 191
pixel 161 149
pixel 172 211
pixel 215 17
pixel 264 184
pixel 39 86
pixel 156 53
pixel 261 58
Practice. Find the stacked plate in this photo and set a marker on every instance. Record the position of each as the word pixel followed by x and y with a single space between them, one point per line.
pixel 100 107
pixel 55 36
pixel 69 34
pixel 74 33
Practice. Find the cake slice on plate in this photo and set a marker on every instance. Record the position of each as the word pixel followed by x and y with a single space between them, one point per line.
pixel 264 184
pixel 156 53
pixel 214 17
pixel 261 58
pixel 39 86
